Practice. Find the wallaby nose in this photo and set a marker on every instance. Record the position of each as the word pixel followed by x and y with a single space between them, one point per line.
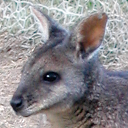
pixel 17 103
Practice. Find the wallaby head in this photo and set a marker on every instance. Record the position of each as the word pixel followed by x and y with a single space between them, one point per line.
pixel 61 74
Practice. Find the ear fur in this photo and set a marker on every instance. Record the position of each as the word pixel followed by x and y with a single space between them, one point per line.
pixel 43 23
pixel 90 33
pixel 48 27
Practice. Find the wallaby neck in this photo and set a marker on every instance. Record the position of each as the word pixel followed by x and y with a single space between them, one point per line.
pixel 79 116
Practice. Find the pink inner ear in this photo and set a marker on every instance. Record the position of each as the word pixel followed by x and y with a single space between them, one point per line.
pixel 91 31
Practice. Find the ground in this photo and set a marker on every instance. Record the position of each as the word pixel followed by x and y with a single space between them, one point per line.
pixel 12 57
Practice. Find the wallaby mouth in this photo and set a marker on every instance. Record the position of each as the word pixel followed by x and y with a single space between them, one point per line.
pixel 21 108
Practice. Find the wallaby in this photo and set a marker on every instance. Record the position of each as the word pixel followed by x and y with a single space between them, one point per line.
pixel 65 80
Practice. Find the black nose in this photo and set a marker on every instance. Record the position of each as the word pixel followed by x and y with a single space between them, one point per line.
pixel 17 103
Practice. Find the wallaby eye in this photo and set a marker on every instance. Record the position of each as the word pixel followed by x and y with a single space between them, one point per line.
pixel 50 77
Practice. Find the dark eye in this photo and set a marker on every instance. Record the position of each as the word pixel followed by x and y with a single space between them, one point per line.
pixel 50 77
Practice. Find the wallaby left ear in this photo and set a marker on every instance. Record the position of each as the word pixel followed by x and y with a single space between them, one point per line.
pixel 48 27
pixel 90 33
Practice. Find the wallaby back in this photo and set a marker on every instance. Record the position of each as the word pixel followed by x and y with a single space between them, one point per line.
pixel 65 80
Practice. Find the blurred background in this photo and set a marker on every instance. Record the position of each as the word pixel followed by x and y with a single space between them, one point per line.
pixel 19 35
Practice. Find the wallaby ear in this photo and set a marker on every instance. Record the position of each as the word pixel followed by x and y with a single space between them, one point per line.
pixel 48 27
pixel 90 33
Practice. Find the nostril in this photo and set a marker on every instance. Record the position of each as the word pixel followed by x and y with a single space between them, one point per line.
pixel 17 103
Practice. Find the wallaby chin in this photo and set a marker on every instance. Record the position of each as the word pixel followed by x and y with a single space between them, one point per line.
pixel 65 80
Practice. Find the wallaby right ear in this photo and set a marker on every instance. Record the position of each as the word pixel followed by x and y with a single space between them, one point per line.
pixel 48 27
pixel 90 33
